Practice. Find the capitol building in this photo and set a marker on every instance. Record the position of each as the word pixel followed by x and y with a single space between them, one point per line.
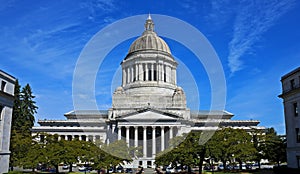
pixel 148 109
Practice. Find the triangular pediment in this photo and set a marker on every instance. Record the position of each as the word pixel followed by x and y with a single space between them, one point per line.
pixel 148 114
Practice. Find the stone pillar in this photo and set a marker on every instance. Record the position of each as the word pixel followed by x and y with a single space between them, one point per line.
pixel 131 73
pixel 162 138
pixel 152 72
pixel 158 71
pixel 128 75
pixel 119 133
pixel 136 72
pixel 146 69
pixel 136 136
pixel 171 132
pixel 66 137
pixel 168 74
pixel 163 72
pixel 127 135
pixel 80 137
pixel 153 142
pixel 94 138
pixel 174 76
pixel 123 77
pixel 59 138
pixel 144 141
pixel 141 73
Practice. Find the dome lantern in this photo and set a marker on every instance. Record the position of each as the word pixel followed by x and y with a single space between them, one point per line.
pixel 149 41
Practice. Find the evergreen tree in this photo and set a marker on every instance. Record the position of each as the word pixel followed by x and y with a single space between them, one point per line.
pixel 17 107
pixel 22 121
pixel 28 109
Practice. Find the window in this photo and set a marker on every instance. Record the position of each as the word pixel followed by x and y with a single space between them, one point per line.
pixel 292 83
pixel 3 84
pixel 295 109
pixel 297 135
pixel 298 161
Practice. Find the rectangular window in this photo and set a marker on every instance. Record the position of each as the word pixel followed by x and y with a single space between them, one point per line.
pixel 298 161
pixel 292 83
pixel 295 109
pixel 297 135
pixel 3 84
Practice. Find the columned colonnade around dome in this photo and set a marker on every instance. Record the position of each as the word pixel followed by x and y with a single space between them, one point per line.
pixel 149 72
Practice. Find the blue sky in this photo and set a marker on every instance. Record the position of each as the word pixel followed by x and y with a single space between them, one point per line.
pixel 256 41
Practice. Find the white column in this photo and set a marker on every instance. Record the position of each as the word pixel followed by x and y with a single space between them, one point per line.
pixel 160 72
pixel 171 132
pixel 59 138
pixel 136 72
pixel 119 132
pixel 66 137
pixel 135 136
pixel 163 72
pixel 153 142
pixel 94 138
pixel 162 138
pixel 174 76
pixel 127 135
pixel 80 138
pixel 127 75
pixel 157 71
pixel 131 73
pixel 152 72
pixel 141 73
pixel 146 69
pixel 144 141
pixel 167 74
pixel 123 77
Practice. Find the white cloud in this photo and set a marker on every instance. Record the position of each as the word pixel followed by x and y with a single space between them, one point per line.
pixel 252 20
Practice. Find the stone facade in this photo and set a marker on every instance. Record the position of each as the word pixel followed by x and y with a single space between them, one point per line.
pixel 148 109
pixel 291 102
pixel 7 87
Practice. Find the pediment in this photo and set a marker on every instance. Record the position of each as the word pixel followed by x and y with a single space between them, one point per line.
pixel 148 115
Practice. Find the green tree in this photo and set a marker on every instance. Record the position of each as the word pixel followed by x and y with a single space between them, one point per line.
pixel 274 147
pixel 229 144
pixel 16 115
pixel 28 109
pixel 258 139
pixel 22 121
pixel 189 152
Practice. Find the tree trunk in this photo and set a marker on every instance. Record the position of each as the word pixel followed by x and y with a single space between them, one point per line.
pixel 224 164
pixel 201 162
pixel 71 168
pixel 107 169
pixel 241 164
pixel 56 168
pixel 258 162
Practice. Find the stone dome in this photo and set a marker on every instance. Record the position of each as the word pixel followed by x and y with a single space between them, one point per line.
pixel 149 40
